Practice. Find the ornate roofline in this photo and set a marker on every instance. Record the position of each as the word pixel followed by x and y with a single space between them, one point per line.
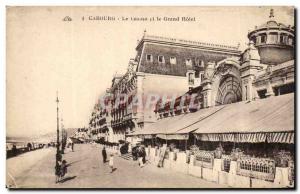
pixel 183 42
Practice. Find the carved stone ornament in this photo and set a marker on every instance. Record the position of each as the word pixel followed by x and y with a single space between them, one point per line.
pixel 224 69
pixel 209 71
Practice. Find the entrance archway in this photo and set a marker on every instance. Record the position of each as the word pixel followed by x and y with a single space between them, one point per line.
pixel 229 91
pixel 226 83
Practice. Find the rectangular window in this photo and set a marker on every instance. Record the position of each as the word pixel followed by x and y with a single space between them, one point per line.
pixel 263 39
pixel 201 76
pixel 257 40
pixel 161 59
pixel 191 78
pixel 290 41
pixel 281 39
pixel 188 62
pixel 149 58
pixel 272 38
pixel 173 60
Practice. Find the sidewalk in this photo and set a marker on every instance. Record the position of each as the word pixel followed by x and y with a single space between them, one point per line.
pixel 21 164
pixel 87 170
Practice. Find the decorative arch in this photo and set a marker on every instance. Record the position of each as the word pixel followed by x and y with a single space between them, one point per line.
pixel 229 91
pixel 226 82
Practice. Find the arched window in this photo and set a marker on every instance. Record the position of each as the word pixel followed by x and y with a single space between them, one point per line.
pixel 229 91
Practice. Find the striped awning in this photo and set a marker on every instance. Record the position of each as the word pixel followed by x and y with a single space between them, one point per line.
pixel 283 137
pixel 276 137
pixel 146 136
pixel 173 136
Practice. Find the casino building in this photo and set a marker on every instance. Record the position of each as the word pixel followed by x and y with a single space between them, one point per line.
pixel 216 105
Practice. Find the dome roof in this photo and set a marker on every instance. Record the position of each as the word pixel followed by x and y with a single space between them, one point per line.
pixel 272 24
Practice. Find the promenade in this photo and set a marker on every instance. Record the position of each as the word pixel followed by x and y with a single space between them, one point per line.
pixel 36 170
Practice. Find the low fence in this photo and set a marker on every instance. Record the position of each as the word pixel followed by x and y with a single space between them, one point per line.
pixel 259 168
pixel 226 160
pixel 204 158
pixel 243 171
pixel 167 155
pixel 291 175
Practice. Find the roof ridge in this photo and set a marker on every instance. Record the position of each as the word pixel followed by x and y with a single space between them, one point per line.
pixel 192 42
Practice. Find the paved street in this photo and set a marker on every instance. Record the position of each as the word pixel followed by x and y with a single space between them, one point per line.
pixel 86 170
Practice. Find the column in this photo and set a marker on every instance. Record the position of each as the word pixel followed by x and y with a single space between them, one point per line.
pixel 207 94
pixel 270 91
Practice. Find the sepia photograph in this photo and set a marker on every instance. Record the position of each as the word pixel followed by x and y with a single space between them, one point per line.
pixel 150 97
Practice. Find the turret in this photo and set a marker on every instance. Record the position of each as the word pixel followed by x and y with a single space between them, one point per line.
pixel 274 41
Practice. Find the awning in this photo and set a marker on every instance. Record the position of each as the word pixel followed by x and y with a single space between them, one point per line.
pixel 147 136
pixel 271 118
pixel 168 127
pixel 173 136
pixel 151 129
pixel 276 137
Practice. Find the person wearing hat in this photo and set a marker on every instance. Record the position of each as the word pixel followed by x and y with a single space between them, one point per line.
pixel 104 155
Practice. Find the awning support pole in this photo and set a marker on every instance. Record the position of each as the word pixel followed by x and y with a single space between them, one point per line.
pixel 234 141
pixel 151 141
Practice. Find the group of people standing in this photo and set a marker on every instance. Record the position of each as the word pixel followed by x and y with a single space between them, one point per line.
pixel 60 170
pixel 61 166
pixel 141 155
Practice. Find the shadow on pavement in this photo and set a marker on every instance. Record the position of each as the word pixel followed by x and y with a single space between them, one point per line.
pixel 70 164
pixel 113 170
pixel 67 179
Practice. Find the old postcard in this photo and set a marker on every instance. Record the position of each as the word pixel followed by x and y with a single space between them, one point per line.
pixel 150 97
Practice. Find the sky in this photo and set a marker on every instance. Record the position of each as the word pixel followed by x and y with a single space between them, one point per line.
pixel 79 58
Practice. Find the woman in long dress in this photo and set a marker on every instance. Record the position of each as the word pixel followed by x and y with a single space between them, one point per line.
pixel 111 162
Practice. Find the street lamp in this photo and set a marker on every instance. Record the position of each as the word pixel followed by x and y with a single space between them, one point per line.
pixel 62 137
pixel 58 155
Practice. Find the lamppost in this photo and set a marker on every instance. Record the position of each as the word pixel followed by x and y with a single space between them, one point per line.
pixel 62 137
pixel 58 155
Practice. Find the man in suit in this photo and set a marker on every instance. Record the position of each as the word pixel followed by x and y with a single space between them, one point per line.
pixel 104 155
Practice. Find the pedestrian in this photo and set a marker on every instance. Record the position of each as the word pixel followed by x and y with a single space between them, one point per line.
pixel 144 155
pixel 72 145
pixel 104 155
pixel 111 162
pixel 63 169
pixel 14 150
pixel 140 157
pixel 57 172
